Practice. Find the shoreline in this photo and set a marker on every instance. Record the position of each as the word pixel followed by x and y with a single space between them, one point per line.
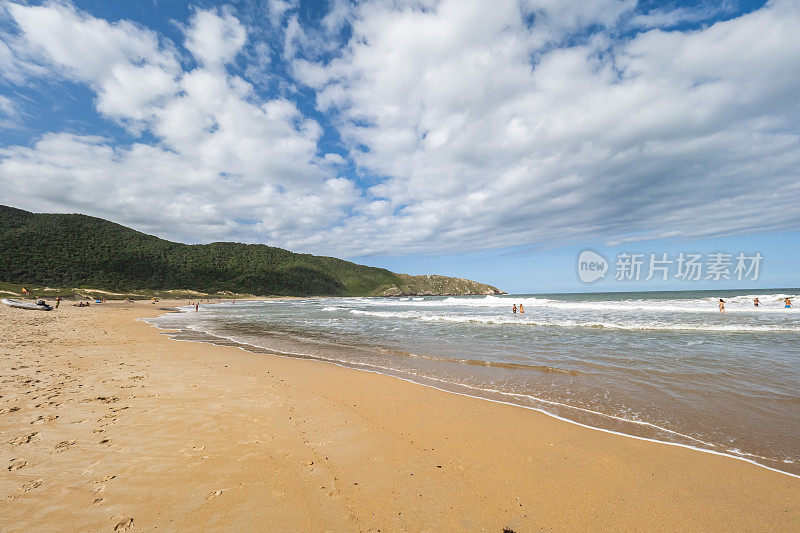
pixel 233 434
pixel 500 402
pixel 257 350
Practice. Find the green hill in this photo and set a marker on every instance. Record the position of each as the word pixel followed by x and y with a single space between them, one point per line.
pixel 83 251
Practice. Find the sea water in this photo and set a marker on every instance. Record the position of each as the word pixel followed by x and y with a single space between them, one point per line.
pixel 666 366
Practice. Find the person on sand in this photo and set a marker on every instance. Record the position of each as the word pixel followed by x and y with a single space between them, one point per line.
pixel 514 309
pixel 722 306
pixel 58 301
pixel 756 303
pixel 521 309
pixel 787 303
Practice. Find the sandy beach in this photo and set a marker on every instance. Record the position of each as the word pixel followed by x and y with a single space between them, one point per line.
pixel 107 425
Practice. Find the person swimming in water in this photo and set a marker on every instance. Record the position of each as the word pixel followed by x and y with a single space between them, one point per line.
pixel 756 302
pixel 722 306
pixel 787 303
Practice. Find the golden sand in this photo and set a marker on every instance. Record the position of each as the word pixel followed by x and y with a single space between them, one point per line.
pixel 105 425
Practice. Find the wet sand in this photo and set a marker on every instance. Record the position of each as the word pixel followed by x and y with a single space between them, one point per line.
pixel 105 425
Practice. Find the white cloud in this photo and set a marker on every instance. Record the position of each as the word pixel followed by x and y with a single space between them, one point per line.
pixel 215 38
pixel 600 139
pixel 9 113
pixel 160 191
pixel 278 8
pixel 670 16
pixel 222 154
pixel 125 64
pixel 334 159
pixel 476 125
pixel 569 15
pixel 7 107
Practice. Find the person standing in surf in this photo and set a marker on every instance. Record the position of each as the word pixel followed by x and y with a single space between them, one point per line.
pixel 514 309
pixel 756 302
pixel 521 309
pixel 787 303
pixel 722 306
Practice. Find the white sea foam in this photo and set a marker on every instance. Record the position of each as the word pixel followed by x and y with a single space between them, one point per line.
pixel 770 303
pixel 519 320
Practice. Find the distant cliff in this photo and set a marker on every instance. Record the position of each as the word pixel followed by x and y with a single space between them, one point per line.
pixel 84 251
pixel 433 285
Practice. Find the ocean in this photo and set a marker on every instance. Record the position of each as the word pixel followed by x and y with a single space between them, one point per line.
pixel 658 365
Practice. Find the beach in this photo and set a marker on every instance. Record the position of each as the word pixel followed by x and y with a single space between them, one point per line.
pixel 107 425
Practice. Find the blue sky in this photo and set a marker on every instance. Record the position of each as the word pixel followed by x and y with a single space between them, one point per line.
pixel 494 141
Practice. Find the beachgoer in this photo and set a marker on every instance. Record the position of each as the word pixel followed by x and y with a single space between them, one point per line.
pixel 196 307
pixel 514 309
pixel 787 303
pixel 756 302
pixel 721 305
pixel 58 301
pixel 521 309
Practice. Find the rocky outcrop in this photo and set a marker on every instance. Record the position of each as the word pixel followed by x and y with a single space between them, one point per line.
pixel 434 285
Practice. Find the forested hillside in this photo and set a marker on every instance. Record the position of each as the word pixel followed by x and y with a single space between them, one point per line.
pixel 84 251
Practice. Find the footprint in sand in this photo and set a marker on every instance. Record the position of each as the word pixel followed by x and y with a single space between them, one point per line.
pixel 25 487
pixel 24 439
pixel 30 485
pixel 124 523
pixel 16 464
pixel 99 483
pixel 42 419
pixel 215 494
pixel 63 446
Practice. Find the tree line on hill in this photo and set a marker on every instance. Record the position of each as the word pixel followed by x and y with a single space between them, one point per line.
pixel 72 250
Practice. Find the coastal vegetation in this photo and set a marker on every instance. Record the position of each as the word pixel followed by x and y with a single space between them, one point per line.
pixel 79 251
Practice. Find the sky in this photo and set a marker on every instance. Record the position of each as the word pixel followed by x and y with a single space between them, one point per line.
pixel 489 140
